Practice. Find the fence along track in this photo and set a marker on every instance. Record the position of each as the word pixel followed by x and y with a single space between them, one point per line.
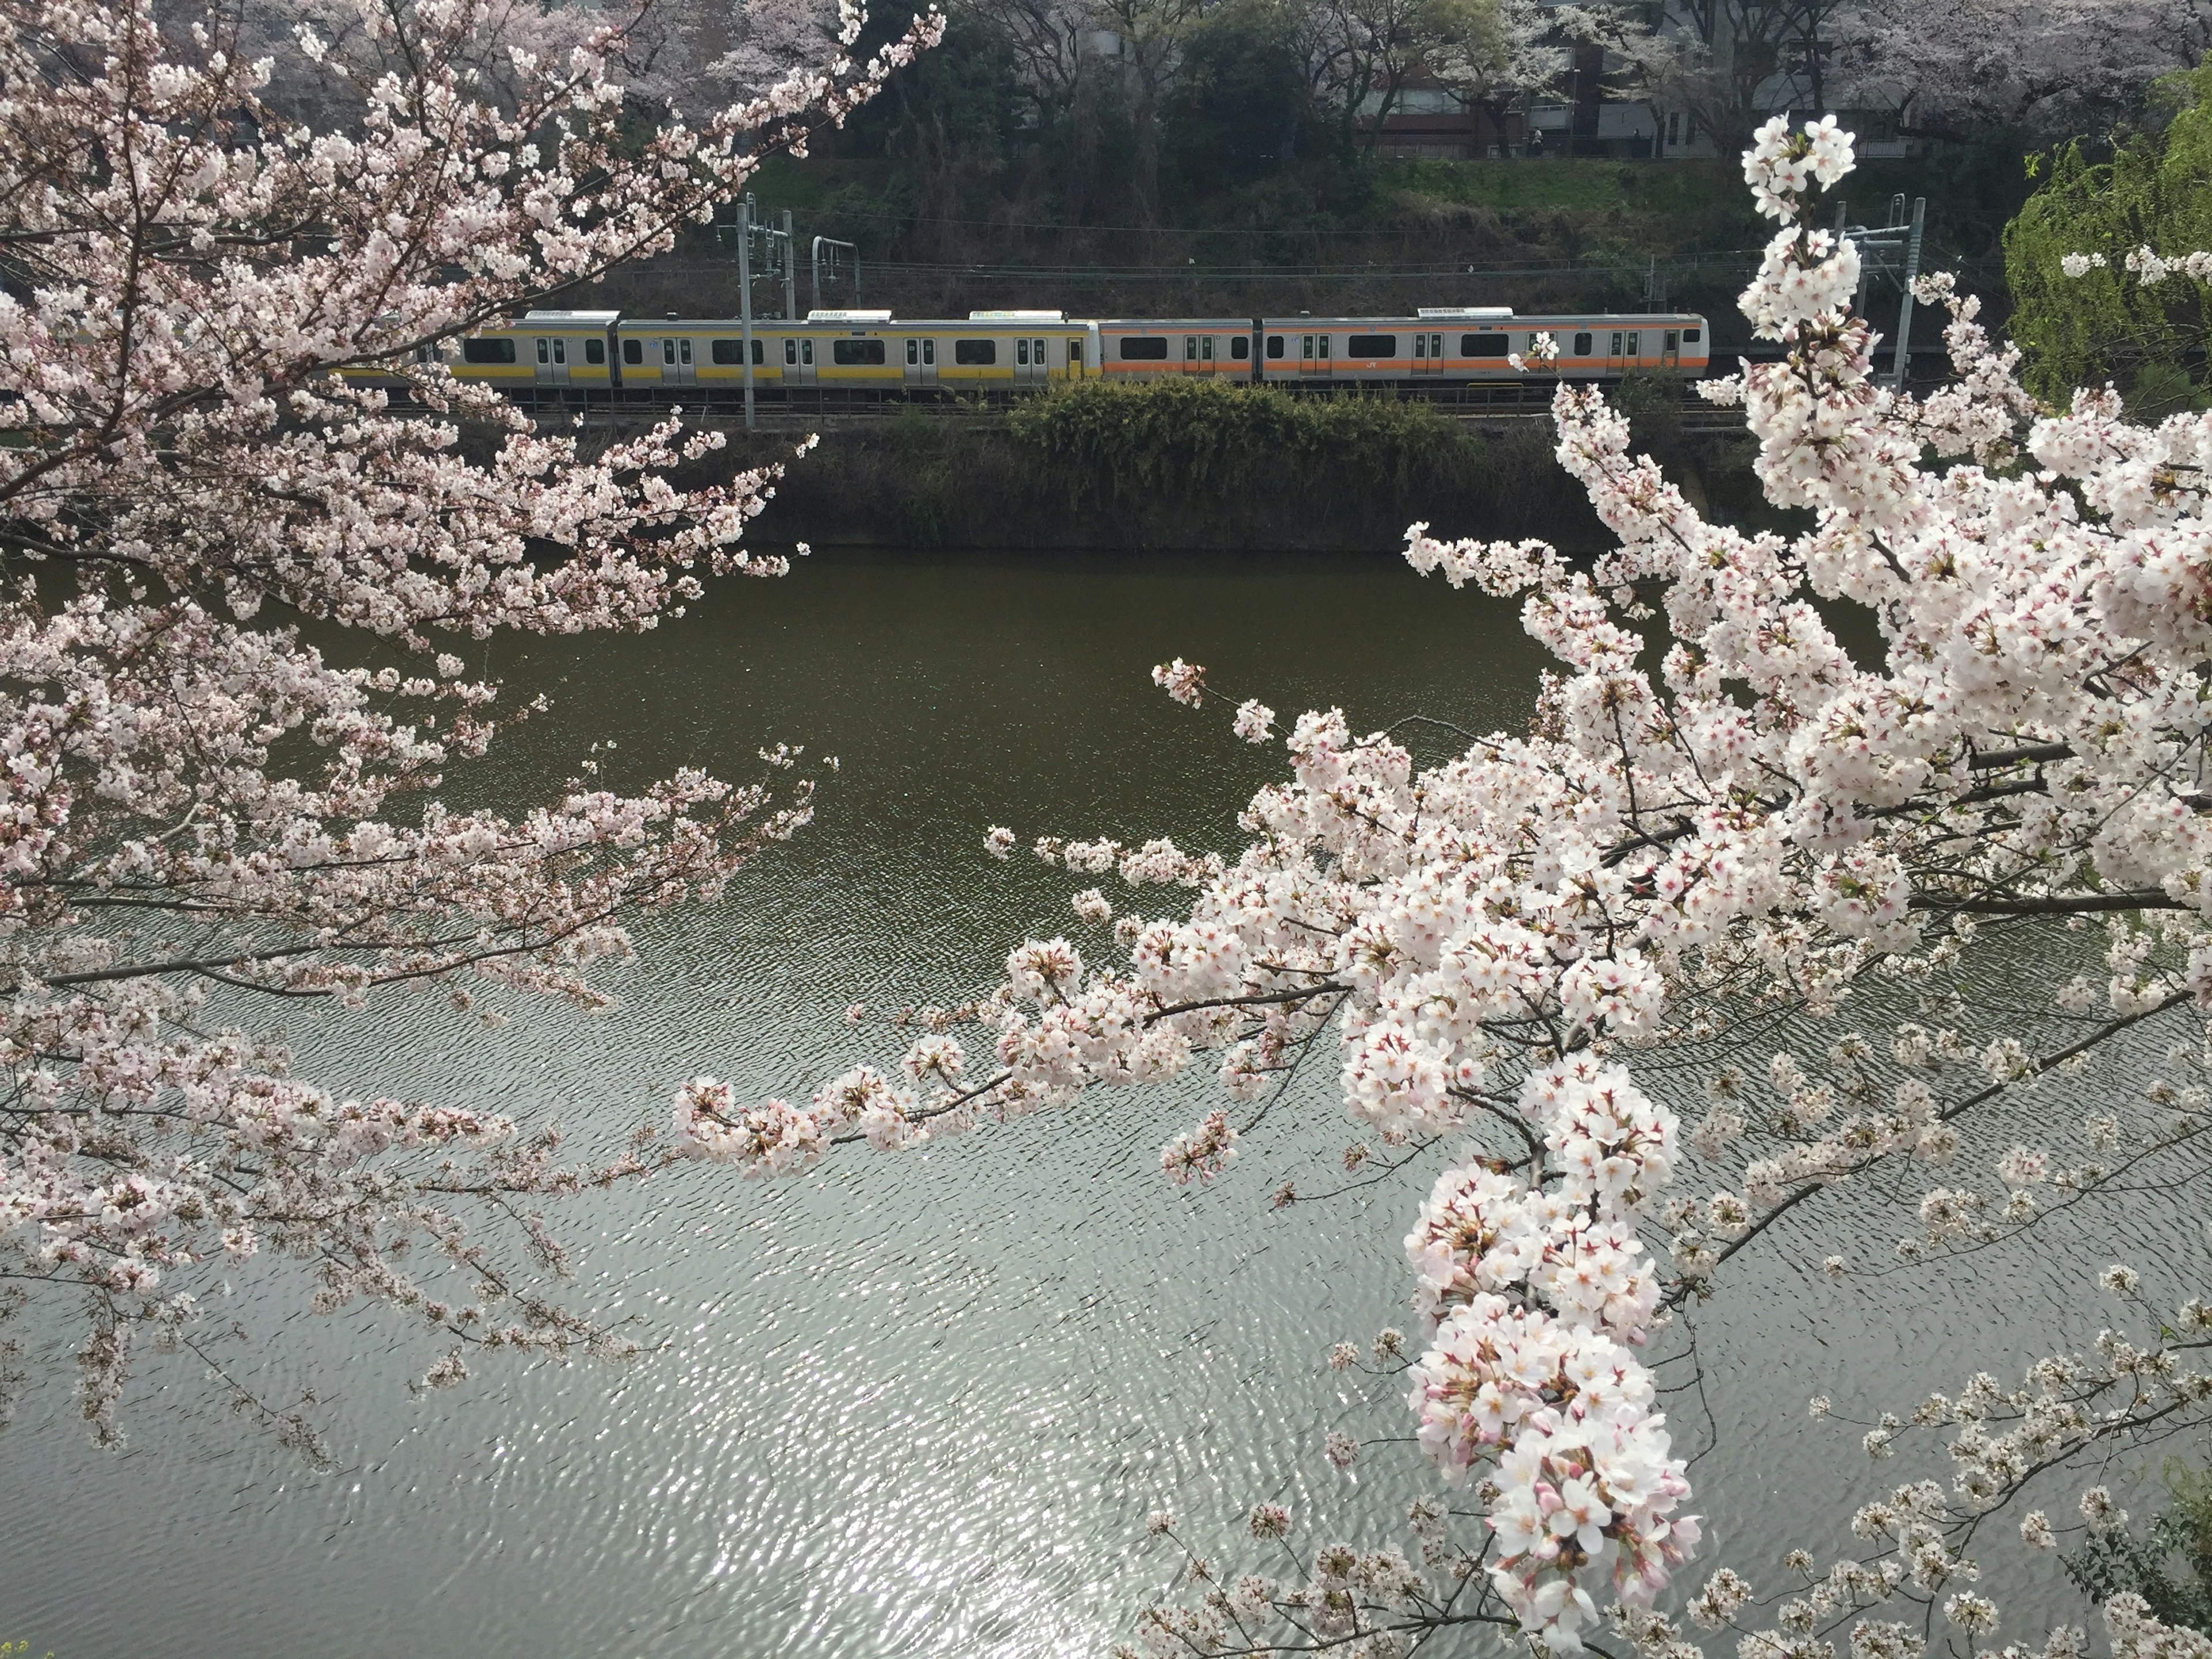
pixel 823 409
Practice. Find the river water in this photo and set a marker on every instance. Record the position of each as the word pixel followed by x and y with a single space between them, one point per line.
pixel 917 1405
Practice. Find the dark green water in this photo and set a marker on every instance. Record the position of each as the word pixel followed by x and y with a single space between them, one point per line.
pixel 915 1405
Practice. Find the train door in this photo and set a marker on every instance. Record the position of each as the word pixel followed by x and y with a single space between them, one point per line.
pixel 1428 354
pixel 552 361
pixel 1206 354
pixel 1627 348
pixel 799 360
pixel 1029 363
pixel 1190 354
pixel 922 362
pixel 1670 349
pixel 1313 361
pixel 1075 357
pixel 676 366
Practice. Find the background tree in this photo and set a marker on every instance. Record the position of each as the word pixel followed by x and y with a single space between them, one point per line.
pixel 2082 324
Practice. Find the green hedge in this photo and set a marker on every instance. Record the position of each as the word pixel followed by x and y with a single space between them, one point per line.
pixel 1122 445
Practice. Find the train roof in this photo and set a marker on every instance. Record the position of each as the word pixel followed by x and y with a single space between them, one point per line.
pixel 1527 320
pixel 567 319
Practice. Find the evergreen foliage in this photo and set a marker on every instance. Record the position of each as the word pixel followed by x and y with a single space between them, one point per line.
pixel 2119 1561
pixel 2156 191
pixel 1122 444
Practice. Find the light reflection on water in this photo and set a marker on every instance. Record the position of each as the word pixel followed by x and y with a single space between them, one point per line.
pixel 917 1404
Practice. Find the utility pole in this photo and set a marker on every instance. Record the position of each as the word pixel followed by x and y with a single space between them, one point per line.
pixel 1904 312
pixel 790 271
pixel 746 298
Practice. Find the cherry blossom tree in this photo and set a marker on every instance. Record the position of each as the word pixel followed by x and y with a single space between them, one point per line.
pixel 1733 847
pixel 2053 66
pixel 205 813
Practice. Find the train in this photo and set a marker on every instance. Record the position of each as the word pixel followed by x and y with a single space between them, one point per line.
pixel 584 356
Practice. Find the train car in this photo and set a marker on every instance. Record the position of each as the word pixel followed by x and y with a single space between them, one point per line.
pixel 1147 349
pixel 1463 344
pixel 544 348
pixel 574 355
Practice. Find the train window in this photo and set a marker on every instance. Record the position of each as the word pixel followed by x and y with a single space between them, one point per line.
pixel 1371 346
pixel 1036 353
pixel 1075 354
pixel 668 353
pixel 975 352
pixel 1142 351
pixel 848 353
pixel 1206 349
pixel 487 351
pixel 1581 345
pixel 929 354
pixel 791 354
pixel 1634 349
pixel 1616 343
pixel 1190 348
pixel 912 353
pixel 1673 341
pixel 683 350
pixel 595 351
pixel 633 351
pixel 1483 345
pixel 1691 336
pixel 1274 345
pixel 561 352
pixel 1321 344
pixel 732 352
pixel 424 354
pixel 1305 345
pixel 1022 353
pixel 1420 347
pixel 1240 349
pixel 541 350
pixel 806 353
pixel 1437 347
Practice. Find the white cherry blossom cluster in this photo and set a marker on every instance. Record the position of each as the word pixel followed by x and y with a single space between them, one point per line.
pixel 1732 811
pixel 225 410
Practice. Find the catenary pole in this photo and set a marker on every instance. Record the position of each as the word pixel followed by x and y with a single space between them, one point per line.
pixel 746 298
pixel 1905 311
